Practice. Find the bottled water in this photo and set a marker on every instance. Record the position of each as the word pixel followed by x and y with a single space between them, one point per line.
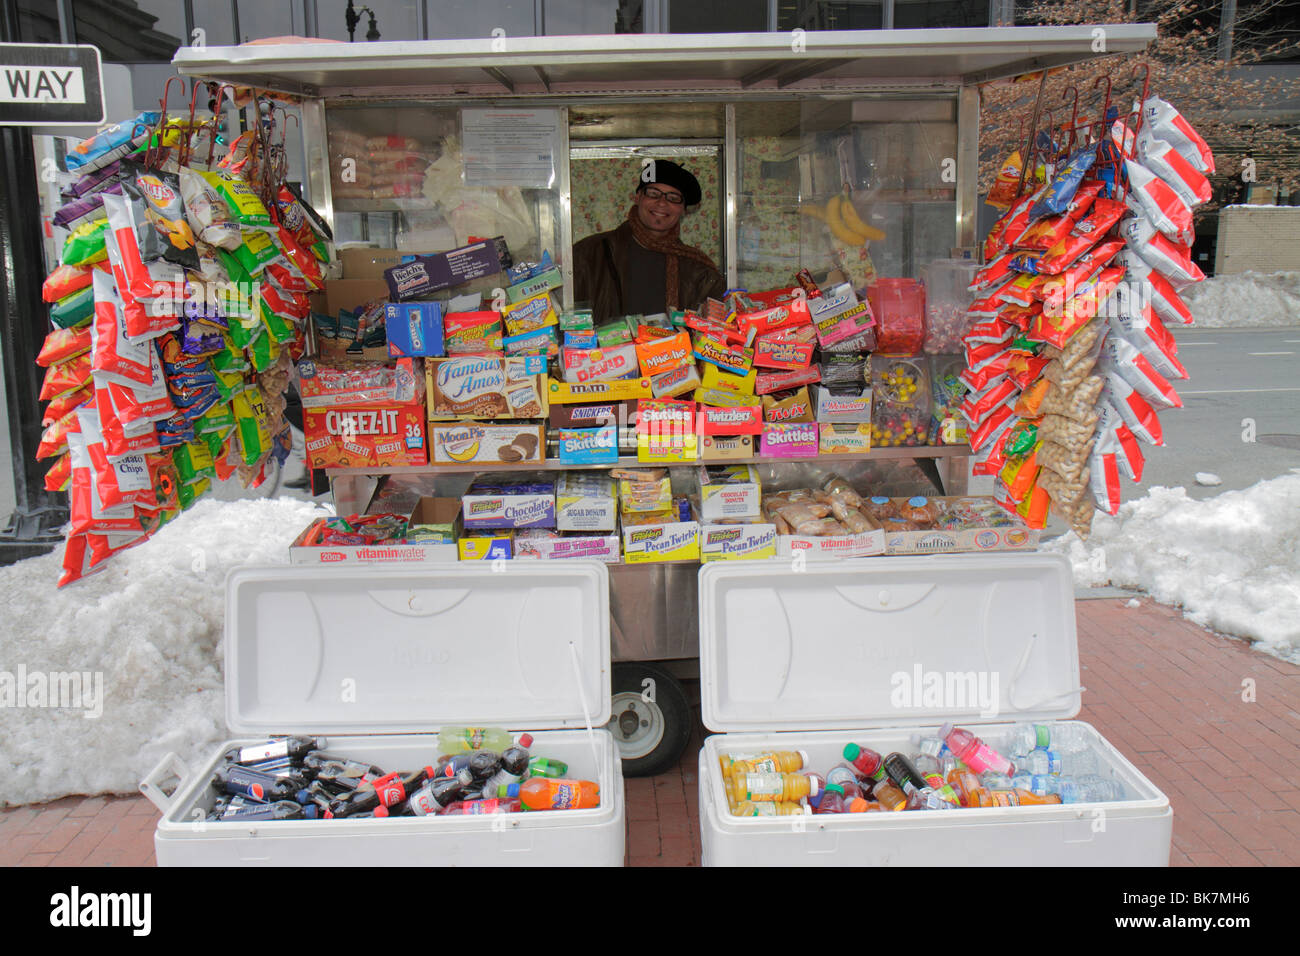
pixel 1060 737
pixel 925 763
pixel 930 746
pixel 992 780
pixel 1089 788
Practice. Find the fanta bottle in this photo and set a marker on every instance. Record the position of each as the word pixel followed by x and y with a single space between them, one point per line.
pixel 767 808
pixel 974 752
pixel 780 761
pixel 791 787
pixel 868 762
pixel 1021 798
pixel 889 796
pixel 545 793
pixel 863 806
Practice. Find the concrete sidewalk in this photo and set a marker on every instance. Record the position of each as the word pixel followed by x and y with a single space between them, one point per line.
pixel 1167 693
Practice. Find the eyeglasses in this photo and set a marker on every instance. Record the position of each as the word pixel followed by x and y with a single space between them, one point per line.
pixel 673 198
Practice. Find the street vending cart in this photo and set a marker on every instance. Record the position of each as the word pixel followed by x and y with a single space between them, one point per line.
pixel 851 153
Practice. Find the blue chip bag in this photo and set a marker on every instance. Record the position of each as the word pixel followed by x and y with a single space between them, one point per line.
pixel 1064 183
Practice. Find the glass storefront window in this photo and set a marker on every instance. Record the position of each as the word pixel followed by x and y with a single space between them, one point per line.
pixel 397 180
pixel 394 19
pixel 576 17
pixel 794 157
pixel 718 16
pixel 145 31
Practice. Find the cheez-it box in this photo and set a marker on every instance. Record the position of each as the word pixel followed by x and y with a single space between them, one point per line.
pixel 380 436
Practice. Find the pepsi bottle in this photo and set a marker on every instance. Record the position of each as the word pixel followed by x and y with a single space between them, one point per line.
pixel 262 787
pixel 280 810
pixel 295 748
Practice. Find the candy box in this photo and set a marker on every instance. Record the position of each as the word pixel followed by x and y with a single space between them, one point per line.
pixel 509 501
pixel 432 539
pixel 377 435
pixel 529 315
pixel 468 333
pixel 620 414
pixel 729 491
pixel 646 495
pixel 660 538
pixel 790 440
pixel 585 502
pixel 545 282
pixel 538 342
pixel 579 320
pixel 462 442
pixel 443 270
pixel 600 364
pixel 664 354
pixel 789 314
pixel 434 521
pixel 724 420
pixel 588 446
pixel 727 356
pixel 720 448
pixel 837 329
pixel 794 408
pixel 841 405
pixel 769 382
pixel 552 546
pixel 567 393
pixel 736 539
pixel 486 546
pixel 413 328
pixel 778 351
pixel 716 379
pixel 483 386
pixel 678 381
pixel 720 398
pixel 665 431
pixel 844 439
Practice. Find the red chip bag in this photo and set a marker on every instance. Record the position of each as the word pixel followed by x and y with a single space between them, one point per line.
pixel 1078 255
pixel 135 405
pixel 981 405
pixel 1127 448
pixel 990 426
pixel 1023 290
pixel 995 273
pixel 991 303
pixel 1167 257
pixel 1047 232
pixel 1104 477
pixel 119 483
pixel 1167 163
pixel 1138 415
pixel 1120 356
pixel 1138 323
pixel 76 559
pixel 1011 226
pixel 1162 121
pixel 54 440
pixel 1165 301
pixel 115 357
pixel 65 377
pixel 66 403
pixel 132 437
pixel 981 355
pixel 998 330
pixel 85 512
pixel 60 473
pixel 63 344
pixel 1056 326
pixel 976 380
pixel 101 547
pixel 64 281
pixel 302 259
pixel 1165 207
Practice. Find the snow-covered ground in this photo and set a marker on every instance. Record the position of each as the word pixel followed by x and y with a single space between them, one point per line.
pixel 1246 300
pixel 151 625
pixel 1231 562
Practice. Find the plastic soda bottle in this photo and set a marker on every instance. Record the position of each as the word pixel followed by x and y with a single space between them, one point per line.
pixel 767 808
pixel 779 761
pixel 945 792
pixel 842 774
pixel 547 767
pixel 868 762
pixel 474 807
pixel 974 752
pixel 543 793
pixel 965 784
pixel 1021 798
pixel 832 800
pixel 791 787
pixel 459 740
pixel 889 796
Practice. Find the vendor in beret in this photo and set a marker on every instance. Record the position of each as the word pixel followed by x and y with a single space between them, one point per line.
pixel 643 267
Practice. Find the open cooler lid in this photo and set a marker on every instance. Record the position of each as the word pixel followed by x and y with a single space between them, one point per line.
pixel 882 642
pixel 378 649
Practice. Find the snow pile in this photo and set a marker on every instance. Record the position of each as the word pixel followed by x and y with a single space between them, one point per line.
pixel 151 624
pixel 1245 300
pixel 1232 562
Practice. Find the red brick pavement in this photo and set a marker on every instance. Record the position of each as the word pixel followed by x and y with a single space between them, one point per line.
pixel 1171 696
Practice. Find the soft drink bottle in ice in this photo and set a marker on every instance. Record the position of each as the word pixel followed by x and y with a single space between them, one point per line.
pixel 262 787
pixel 973 752
pixel 280 810
pixel 294 748
pixel 944 791
pixel 832 800
pixel 1021 798
pixel 889 796
pixel 459 740
pixel 542 793
pixel 481 764
pixel 547 767
pixel 476 807
pixel 791 787
pixel 514 764
pixel 904 774
pixel 438 793
pixel 867 761
pixel 842 774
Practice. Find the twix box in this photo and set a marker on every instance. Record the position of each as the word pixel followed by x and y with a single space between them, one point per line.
pixel 794 408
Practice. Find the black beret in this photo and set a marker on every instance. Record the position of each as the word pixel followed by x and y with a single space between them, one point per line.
pixel 667 173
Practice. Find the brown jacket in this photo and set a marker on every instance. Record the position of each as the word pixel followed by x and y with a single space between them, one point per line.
pixel 600 262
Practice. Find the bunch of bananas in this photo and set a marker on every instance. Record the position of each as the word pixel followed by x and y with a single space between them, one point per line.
pixel 842 220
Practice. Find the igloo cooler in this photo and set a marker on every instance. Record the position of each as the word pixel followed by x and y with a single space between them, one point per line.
pixel 874 651
pixel 377 659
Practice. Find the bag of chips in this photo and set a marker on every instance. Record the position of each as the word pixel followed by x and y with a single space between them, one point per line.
pixel 64 281
pixel 207 213
pixel 1167 163
pixel 1161 253
pixel 1158 200
pixel 253 427
pixel 1137 413
pixel 62 345
pixel 1141 327
pixel 66 377
pixel 74 311
pixel 1162 121
pixel 137 281
pixel 60 473
pixel 1003 193
pixel 160 192
pixel 241 199
pixel 85 245
pixel 63 404
pixel 1064 184
pixel 1122 358
pixel 116 358
pixel 110 144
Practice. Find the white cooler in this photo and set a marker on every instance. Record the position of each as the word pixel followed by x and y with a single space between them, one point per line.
pixel 810 660
pixel 376 659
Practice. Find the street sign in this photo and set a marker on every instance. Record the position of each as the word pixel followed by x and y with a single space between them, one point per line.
pixel 50 84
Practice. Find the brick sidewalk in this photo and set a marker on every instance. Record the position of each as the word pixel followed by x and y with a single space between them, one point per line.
pixel 1167 694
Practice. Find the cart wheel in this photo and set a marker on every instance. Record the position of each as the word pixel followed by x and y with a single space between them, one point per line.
pixel 651 720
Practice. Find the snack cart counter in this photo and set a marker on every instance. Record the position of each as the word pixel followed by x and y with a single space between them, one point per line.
pixel 538 139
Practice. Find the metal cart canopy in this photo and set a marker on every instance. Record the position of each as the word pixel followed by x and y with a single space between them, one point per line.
pixel 730 63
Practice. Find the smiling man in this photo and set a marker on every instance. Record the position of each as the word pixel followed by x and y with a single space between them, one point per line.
pixel 643 267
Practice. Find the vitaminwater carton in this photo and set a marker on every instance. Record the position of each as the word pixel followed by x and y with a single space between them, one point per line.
pixel 875 651
pixel 376 660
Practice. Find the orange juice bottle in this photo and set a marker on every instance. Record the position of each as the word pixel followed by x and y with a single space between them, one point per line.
pixel 1022 798
pixel 778 761
pixel 966 785
pixel 859 805
pixel 767 808
pixel 889 796
pixel 548 793
pixel 791 787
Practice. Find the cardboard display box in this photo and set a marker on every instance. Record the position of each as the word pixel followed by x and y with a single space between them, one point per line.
pixel 1015 536
pixel 591 546
pixel 668 541
pixel 854 407
pixel 379 436
pixel 486 442
pixel 736 539
pixel 586 502
pixel 729 491
pixel 369 263
pixel 485 387
pixel 731 448
pixel 829 547
pixel 844 439
pixel 433 527
pixel 509 501
pixel 486 546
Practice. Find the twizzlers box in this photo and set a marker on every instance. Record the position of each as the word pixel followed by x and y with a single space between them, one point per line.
pixel 742 420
